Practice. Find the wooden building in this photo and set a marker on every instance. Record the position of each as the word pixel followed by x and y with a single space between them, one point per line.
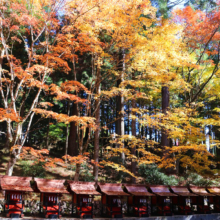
pixel 161 204
pixel 82 198
pixel 214 200
pixel 50 193
pixel 15 188
pixel 183 203
pixel 202 201
pixel 112 194
pixel 139 200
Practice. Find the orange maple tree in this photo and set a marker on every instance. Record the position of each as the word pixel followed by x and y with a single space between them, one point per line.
pixel 32 26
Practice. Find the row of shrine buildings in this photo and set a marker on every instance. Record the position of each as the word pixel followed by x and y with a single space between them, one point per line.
pixel 141 200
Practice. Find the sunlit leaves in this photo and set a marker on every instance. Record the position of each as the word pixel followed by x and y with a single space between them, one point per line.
pixel 8 114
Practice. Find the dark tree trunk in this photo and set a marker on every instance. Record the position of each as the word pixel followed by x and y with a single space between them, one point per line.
pixel 133 151
pixel 119 108
pixel 72 140
pixel 103 121
pixel 165 141
pixel 120 100
pixel 133 132
pixel 67 129
pixel 29 139
pixel 47 137
pixel 165 105
pixel 96 135
pixel 96 141
pixel 73 133
pixel 128 125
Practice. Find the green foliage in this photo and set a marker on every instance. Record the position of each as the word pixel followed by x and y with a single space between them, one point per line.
pixel 85 173
pixel 56 135
pixel 153 175
pixel 56 132
pixel 33 169
pixel 198 180
pixel 164 7
pixel 201 4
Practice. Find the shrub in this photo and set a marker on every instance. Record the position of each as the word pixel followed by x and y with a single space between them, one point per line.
pixel 35 169
pixel 86 173
pixel 198 180
pixel 153 175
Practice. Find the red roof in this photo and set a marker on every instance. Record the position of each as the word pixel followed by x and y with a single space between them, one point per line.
pixel 138 190
pixel 182 191
pixel 161 190
pixel 50 185
pixel 214 190
pixel 85 188
pixel 16 183
pixel 201 191
pixel 112 189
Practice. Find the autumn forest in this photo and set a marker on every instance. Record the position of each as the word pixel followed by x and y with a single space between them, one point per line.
pixel 115 91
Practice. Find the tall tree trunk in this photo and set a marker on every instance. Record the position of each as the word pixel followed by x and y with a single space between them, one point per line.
pixel 9 137
pixel 82 145
pixel 47 136
pixel 19 139
pixel 104 134
pixel 67 128
pixel 96 142
pixel 72 140
pixel 165 141
pixel 120 100
pixel 133 131
pixel 10 165
pixel 78 166
pixel 128 124
pixel 15 152
pixel 165 105
pixel 133 150
pixel 97 121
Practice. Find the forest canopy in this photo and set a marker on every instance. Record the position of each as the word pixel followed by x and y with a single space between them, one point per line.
pixel 115 89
